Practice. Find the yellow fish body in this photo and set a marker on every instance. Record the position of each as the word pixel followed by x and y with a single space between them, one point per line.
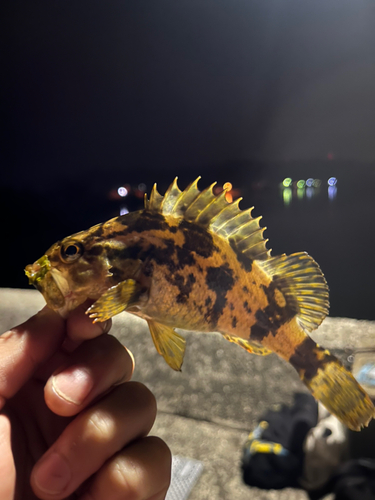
pixel 192 260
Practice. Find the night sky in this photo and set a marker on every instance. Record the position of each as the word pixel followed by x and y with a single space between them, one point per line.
pixel 161 86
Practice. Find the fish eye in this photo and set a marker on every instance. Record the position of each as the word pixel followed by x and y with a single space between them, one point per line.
pixel 71 251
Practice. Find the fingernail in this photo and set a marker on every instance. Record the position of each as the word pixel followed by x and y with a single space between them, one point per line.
pixel 52 474
pixel 106 325
pixel 73 384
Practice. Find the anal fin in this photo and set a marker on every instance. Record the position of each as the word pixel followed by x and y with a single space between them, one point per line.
pixel 115 300
pixel 250 347
pixel 168 343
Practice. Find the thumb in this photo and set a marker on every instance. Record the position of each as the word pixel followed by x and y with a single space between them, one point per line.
pixel 25 347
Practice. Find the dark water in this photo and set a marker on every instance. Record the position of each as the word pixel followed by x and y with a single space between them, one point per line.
pixel 335 226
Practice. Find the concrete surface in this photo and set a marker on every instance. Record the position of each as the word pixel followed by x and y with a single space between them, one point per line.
pixel 207 411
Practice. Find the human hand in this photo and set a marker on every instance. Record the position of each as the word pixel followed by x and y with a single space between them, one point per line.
pixel 72 425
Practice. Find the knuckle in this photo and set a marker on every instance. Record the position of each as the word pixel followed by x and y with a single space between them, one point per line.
pixel 100 427
pixel 122 476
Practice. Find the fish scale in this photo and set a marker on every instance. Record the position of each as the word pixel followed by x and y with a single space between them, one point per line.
pixel 192 260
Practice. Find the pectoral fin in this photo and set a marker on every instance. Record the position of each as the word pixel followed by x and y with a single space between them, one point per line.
pixel 253 348
pixel 115 300
pixel 168 343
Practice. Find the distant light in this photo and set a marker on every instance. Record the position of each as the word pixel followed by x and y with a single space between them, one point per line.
pixel 287 182
pixel 301 184
pixel 142 186
pixel 287 196
pixel 227 187
pixel 300 193
pixel 309 182
pixel 124 211
pixel 332 192
pixel 122 191
pixel 317 183
pixel 332 181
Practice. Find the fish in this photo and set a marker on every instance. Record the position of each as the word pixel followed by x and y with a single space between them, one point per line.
pixel 192 260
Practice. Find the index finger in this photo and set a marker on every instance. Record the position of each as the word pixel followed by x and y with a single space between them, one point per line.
pixel 80 327
pixel 25 347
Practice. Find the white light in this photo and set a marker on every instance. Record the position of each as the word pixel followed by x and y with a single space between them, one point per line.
pixel 332 181
pixel 332 192
pixel 124 211
pixel 122 191
pixel 309 192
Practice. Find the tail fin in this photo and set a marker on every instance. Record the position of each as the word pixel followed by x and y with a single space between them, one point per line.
pixel 305 292
pixel 332 385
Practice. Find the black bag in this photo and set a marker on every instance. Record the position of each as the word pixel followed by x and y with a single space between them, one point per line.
pixel 355 480
pixel 273 453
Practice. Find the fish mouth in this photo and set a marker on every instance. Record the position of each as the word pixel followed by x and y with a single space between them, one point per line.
pixel 60 297
pixel 37 271
pixel 52 284
pixel 61 283
pixel 69 299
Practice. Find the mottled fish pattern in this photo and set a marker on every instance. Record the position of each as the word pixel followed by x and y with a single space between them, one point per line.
pixel 192 260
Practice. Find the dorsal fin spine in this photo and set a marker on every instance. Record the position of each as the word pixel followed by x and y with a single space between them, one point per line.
pixel 256 239
pixel 226 214
pixel 250 248
pixel 155 200
pixel 198 205
pixel 170 198
pixel 236 222
pixel 186 198
pixel 211 210
pixel 247 229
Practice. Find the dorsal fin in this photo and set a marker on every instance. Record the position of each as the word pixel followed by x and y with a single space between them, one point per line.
pixel 154 203
pixel 214 213
pixel 302 284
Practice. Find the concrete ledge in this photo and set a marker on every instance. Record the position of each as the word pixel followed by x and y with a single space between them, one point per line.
pixel 206 411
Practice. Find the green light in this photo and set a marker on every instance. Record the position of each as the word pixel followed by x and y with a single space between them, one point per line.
pixel 301 184
pixel 287 182
pixel 287 196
